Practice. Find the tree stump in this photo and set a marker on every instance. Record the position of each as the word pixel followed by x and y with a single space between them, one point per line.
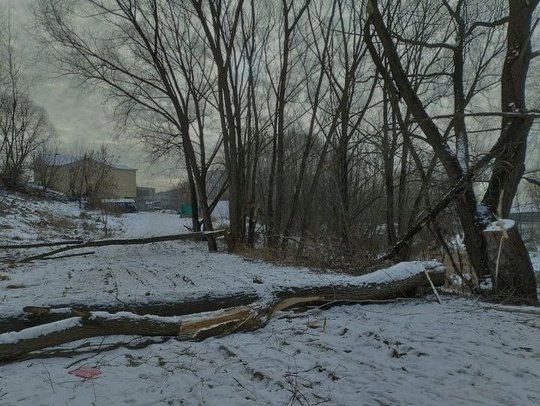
pixel 511 269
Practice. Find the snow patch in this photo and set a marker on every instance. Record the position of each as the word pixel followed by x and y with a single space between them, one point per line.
pixel 502 224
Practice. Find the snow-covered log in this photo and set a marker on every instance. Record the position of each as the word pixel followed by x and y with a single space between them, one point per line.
pixel 399 281
pixel 14 345
pixel 38 315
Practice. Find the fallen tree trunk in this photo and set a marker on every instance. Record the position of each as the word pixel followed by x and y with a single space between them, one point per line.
pixel 371 287
pixel 14 345
pixel 132 241
pixel 41 244
pixel 38 315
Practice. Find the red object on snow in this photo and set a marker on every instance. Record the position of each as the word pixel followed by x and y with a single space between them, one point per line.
pixel 86 372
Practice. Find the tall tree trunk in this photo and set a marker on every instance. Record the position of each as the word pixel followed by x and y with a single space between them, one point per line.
pixel 307 152
pixel 509 165
pixel 388 151
pixel 221 46
pixel 198 180
pixel 290 23
pixel 193 199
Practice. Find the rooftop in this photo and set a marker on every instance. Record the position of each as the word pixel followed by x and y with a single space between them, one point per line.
pixel 62 160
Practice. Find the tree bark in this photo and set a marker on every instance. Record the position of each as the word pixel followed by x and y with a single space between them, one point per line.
pixel 510 263
pixel 510 163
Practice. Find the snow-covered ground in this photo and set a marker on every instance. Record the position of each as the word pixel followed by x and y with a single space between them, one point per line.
pixel 414 352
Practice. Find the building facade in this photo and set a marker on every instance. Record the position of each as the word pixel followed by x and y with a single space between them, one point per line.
pixel 84 176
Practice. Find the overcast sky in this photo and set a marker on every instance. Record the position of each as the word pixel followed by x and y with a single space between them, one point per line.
pixel 78 116
pixel 81 122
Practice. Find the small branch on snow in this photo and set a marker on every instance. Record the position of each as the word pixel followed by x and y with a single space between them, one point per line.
pixel 80 254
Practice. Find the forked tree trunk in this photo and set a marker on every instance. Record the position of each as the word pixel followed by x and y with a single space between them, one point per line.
pixel 508 168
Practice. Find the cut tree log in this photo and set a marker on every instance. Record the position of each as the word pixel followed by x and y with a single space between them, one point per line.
pixel 379 285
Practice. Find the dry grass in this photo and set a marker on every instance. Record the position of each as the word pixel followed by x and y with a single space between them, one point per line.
pixel 50 221
pixel 316 256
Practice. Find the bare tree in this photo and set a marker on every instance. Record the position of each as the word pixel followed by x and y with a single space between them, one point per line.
pixel 24 125
pixel 135 52
pixel 222 25
pixel 99 183
pixel 25 128
pixel 44 166
pixel 284 91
